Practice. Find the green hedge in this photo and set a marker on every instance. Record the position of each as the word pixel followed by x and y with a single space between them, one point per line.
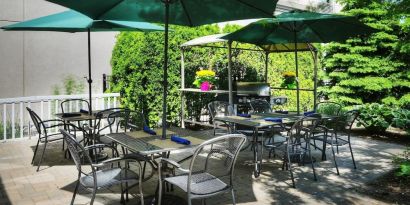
pixel 137 61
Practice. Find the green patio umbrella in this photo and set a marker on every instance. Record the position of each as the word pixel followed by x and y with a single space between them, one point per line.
pixel 179 12
pixel 73 21
pixel 300 27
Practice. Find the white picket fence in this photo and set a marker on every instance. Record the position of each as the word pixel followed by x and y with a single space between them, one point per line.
pixel 16 122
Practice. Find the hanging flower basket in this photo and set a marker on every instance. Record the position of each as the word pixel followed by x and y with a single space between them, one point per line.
pixel 289 80
pixel 204 79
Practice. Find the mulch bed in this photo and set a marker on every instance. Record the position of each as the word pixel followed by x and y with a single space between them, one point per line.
pixel 389 188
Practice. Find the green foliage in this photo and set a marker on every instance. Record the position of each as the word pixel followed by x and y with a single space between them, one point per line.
pixel 9 130
pixel 71 85
pixel 372 69
pixel 375 117
pixel 403 161
pixel 401 119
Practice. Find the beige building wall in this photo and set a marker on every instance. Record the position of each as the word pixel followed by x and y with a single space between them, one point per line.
pixel 33 62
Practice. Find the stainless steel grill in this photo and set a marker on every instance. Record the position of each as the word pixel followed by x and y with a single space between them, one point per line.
pixel 248 91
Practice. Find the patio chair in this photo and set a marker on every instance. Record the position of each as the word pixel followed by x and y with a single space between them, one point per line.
pixel 74 105
pixel 43 128
pixel 105 174
pixel 260 106
pixel 339 132
pixel 220 109
pixel 297 145
pixel 211 169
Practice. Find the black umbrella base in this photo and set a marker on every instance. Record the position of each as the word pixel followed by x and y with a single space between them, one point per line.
pixel 167 199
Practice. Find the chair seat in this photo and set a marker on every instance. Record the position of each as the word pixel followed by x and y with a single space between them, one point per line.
pixel 201 184
pixel 109 177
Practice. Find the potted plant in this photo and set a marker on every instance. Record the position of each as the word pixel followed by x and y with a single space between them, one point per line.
pixel 204 79
pixel 289 80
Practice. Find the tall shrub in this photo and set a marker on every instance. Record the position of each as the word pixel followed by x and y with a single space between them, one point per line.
pixel 374 69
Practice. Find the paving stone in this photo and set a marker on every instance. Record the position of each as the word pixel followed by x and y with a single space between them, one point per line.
pixel 54 183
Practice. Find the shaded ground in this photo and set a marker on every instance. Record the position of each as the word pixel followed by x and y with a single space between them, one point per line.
pixel 21 184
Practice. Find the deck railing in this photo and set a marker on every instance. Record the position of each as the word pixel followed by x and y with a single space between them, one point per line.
pixel 16 122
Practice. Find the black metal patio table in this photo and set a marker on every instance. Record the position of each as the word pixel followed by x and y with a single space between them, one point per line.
pixel 150 146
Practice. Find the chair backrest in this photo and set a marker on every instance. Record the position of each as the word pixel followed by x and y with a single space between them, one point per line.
pixel 329 108
pixel 136 121
pixel 113 116
pixel 260 106
pixel 215 157
pixel 117 119
pixel 74 105
pixel 349 118
pixel 219 109
pixel 36 121
pixel 80 156
pixel 301 131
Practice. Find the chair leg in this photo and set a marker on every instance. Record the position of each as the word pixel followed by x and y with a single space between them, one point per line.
pixel 233 197
pixel 351 152
pixel 75 191
pixel 289 167
pixel 93 196
pixel 312 163
pixel 337 144
pixel 42 155
pixel 334 156
pixel 35 151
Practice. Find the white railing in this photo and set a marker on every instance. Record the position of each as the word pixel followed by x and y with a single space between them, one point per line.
pixel 16 122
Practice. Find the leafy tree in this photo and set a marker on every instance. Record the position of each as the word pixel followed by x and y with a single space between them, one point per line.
pixel 373 69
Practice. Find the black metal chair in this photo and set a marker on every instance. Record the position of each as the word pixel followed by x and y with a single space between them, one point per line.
pixel 297 146
pixel 220 109
pixel 260 106
pixel 105 174
pixel 340 134
pixel 43 127
pixel 74 105
pixel 210 171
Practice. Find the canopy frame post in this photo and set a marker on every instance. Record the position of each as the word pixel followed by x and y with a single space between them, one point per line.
pixel 230 73
pixel 297 69
pixel 266 65
pixel 182 87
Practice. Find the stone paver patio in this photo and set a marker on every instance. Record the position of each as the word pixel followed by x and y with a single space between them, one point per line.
pixel 53 184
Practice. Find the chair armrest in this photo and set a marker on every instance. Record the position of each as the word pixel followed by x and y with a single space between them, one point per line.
pixel 174 164
pixel 114 160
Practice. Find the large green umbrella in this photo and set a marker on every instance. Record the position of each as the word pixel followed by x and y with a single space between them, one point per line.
pixel 179 12
pixel 73 21
pixel 300 27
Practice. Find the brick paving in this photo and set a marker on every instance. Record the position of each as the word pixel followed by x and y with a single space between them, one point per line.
pixel 20 184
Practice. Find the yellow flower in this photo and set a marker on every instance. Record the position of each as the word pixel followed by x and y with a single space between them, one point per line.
pixel 205 73
pixel 289 74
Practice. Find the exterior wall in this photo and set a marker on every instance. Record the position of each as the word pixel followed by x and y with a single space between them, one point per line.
pixel 33 62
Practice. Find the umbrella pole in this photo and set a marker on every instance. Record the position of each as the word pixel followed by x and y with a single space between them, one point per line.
pixel 89 80
pixel 297 72
pixel 164 98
